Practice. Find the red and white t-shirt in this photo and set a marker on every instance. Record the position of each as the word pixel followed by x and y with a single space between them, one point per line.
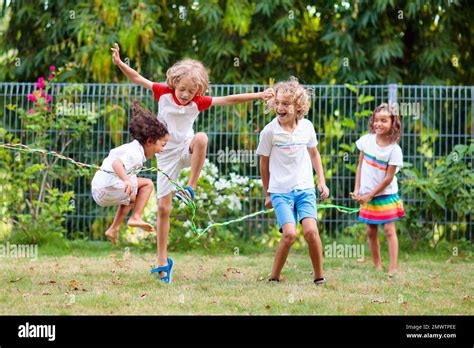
pixel 178 117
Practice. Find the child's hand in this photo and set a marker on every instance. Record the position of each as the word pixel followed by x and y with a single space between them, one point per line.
pixel 116 54
pixel 268 202
pixel 355 195
pixel 364 199
pixel 323 191
pixel 128 187
pixel 269 93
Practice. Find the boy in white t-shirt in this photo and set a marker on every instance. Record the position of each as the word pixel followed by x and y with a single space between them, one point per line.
pixel 288 155
pixel 180 102
pixel 116 182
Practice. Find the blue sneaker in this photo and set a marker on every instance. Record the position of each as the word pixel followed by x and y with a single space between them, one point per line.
pixel 168 269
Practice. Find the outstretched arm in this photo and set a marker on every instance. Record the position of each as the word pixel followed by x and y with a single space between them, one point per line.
pixel 242 98
pixel 131 74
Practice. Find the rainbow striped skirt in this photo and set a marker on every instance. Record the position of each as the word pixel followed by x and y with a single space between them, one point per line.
pixel 382 209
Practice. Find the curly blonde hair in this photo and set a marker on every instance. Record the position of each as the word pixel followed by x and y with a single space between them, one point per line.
pixel 188 68
pixel 300 96
pixel 396 129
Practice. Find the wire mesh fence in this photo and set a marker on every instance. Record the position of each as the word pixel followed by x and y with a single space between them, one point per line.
pixel 435 119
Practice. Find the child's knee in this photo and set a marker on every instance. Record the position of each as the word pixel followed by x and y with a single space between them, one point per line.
pixel 310 230
pixel 133 198
pixel 310 234
pixel 201 139
pixel 389 232
pixel 372 231
pixel 148 183
pixel 164 208
pixel 289 235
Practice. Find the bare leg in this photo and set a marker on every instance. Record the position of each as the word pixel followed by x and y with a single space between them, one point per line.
pixel 198 149
pixel 145 188
pixel 392 241
pixel 163 229
pixel 315 247
pixel 120 215
pixel 374 245
pixel 283 249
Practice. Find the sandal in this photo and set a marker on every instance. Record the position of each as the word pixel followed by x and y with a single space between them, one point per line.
pixel 320 281
pixel 168 269
pixel 186 195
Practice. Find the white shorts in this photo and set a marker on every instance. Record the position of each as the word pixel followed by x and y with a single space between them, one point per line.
pixel 171 162
pixel 114 194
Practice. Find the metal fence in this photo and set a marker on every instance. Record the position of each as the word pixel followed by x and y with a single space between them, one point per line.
pixel 437 119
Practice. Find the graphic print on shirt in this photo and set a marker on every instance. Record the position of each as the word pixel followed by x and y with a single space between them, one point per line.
pixel 290 143
pixel 375 162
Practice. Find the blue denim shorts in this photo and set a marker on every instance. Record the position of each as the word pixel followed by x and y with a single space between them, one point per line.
pixel 294 206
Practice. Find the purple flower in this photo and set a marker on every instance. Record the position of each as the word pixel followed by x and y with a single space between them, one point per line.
pixel 32 98
pixel 31 111
pixel 52 68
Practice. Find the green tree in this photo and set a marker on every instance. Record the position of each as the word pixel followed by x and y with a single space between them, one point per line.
pixel 411 41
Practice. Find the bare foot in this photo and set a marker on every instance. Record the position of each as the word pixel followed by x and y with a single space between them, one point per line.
pixel 132 222
pixel 112 235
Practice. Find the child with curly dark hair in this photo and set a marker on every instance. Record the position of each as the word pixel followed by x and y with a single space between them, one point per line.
pixel 117 182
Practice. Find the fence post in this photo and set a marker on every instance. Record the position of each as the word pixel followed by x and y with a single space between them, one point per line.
pixel 392 93
pixel 472 111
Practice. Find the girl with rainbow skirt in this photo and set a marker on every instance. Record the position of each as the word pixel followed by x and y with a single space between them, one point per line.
pixel 376 188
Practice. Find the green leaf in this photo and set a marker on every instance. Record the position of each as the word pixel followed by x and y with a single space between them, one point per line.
pixel 436 197
pixel 351 167
pixel 349 123
pixel 351 88
pixel 365 99
pixel 363 113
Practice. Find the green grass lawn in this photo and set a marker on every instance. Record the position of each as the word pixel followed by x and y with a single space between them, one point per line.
pixel 100 280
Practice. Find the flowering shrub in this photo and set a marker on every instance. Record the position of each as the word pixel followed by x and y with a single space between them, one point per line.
pixel 31 202
pixel 38 97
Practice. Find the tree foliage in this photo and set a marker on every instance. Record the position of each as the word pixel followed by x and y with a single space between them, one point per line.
pixel 381 41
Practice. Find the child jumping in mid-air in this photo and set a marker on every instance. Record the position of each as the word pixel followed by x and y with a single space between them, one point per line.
pixel 288 155
pixel 117 184
pixel 180 101
pixel 376 186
